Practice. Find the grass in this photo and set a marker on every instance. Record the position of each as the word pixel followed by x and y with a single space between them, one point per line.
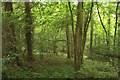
pixel 51 66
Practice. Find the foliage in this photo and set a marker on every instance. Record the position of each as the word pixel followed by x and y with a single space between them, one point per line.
pixel 59 67
pixel 98 69
pixel 49 41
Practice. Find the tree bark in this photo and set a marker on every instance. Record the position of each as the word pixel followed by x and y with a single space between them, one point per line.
pixel 119 39
pixel 78 37
pixel 9 29
pixel 67 36
pixel 91 37
pixel 72 20
pixel 10 33
pixel 86 24
pixel 114 40
pixel 73 31
pixel 28 34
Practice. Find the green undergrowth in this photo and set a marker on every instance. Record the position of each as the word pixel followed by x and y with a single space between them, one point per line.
pixel 59 67
pixel 97 69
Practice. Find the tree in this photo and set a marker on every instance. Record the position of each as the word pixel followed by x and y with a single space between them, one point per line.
pixel 9 33
pixel 86 25
pixel 67 35
pixel 78 38
pixel 29 31
pixel 115 32
pixel 91 36
pixel 105 30
pixel 119 38
pixel 72 25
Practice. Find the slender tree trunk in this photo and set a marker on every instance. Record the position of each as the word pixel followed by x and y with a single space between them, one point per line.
pixel 28 34
pixel 108 41
pixel 54 48
pixel 68 43
pixel 10 33
pixel 72 20
pixel 119 39
pixel 78 37
pixel 91 37
pixel 108 37
pixel 114 48
pixel 95 40
pixel 9 28
pixel 106 32
pixel 86 25
pixel 119 46
pixel 73 31
pixel 67 37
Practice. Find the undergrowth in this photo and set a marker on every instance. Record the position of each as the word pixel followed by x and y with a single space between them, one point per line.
pixel 59 67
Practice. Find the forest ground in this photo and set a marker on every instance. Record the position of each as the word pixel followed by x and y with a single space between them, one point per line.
pixel 53 66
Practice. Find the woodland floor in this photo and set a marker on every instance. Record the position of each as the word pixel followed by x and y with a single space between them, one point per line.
pixel 51 66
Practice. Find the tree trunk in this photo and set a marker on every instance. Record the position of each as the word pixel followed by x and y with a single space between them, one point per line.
pixel 95 40
pixel 28 34
pixel 106 32
pixel 91 37
pixel 86 24
pixel 9 29
pixel 67 37
pixel 54 48
pixel 10 33
pixel 71 19
pixel 119 38
pixel 73 31
pixel 119 44
pixel 114 40
pixel 108 36
pixel 78 37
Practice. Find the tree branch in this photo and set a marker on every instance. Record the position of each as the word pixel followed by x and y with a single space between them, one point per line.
pixel 71 18
pixel 90 14
pixel 116 23
pixel 101 19
pixel 86 24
